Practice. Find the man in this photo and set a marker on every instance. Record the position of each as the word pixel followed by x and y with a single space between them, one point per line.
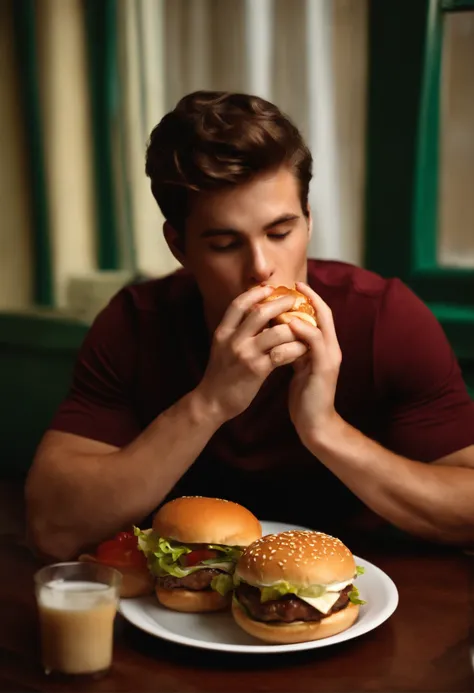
pixel 181 386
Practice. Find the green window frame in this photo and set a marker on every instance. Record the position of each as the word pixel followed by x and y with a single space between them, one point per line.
pixel 101 36
pixel 101 33
pixel 406 42
pixel 24 19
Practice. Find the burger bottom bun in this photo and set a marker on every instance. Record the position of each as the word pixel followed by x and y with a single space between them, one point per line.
pixel 285 318
pixel 135 582
pixel 300 631
pixel 192 601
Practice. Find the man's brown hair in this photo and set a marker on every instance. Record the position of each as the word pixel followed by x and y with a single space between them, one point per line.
pixel 212 140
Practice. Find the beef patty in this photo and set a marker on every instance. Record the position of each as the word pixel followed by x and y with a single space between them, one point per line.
pixel 198 580
pixel 287 608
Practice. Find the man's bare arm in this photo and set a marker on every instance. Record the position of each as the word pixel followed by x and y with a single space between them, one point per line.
pixel 433 501
pixel 80 491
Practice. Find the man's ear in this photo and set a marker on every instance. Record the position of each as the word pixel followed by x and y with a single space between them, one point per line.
pixel 175 243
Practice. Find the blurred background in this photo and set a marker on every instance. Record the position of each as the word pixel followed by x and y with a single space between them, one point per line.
pixel 383 91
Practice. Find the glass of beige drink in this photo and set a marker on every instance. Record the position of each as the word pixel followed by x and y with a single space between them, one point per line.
pixel 77 603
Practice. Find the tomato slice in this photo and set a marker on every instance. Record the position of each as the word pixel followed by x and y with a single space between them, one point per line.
pixel 121 554
pixel 198 556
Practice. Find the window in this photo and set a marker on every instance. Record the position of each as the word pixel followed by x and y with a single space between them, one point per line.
pixel 420 204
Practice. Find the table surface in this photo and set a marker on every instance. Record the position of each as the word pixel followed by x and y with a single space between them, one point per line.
pixel 425 646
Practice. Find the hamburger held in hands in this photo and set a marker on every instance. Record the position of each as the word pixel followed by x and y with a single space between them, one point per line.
pixel 192 550
pixel 296 586
pixel 302 307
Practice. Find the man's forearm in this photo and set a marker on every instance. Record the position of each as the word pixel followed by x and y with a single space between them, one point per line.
pixel 434 502
pixel 83 498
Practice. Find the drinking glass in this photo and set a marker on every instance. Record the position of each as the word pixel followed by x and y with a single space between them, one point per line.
pixel 77 604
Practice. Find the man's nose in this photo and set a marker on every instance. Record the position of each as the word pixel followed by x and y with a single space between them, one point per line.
pixel 261 267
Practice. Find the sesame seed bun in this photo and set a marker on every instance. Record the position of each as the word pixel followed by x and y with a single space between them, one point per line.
pixel 191 601
pixel 299 631
pixel 199 520
pixel 301 557
pixel 302 307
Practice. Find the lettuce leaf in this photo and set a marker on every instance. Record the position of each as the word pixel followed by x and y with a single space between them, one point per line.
pixel 281 588
pixel 354 596
pixel 172 552
pixel 159 566
pixel 359 570
pixel 224 566
pixel 163 555
pixel 231 553
pixel 151 543
pixel 222 583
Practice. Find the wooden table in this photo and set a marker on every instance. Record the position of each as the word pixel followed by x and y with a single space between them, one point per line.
pixel 425 646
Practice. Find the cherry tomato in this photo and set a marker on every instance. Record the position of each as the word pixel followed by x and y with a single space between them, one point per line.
pixel 197 556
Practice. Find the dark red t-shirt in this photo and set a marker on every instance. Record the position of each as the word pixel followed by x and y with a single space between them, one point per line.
pixel 399 384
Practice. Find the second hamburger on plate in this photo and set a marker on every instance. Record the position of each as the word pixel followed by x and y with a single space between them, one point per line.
pixel 193 548
pixel 296 586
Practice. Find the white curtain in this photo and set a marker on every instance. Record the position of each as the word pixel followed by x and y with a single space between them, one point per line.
pixel 308 56
pixel 67 133
pixel 142 68
pixel 456 201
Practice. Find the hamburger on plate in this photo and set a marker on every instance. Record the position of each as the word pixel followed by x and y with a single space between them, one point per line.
pixel 296 586
pixel 193 548
pixel 122 553
pixel 302 307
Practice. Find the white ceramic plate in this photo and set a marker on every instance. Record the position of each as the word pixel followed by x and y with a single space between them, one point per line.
pixel 217 631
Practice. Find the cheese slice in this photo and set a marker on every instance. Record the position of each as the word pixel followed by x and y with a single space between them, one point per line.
pixel 331 587
pixel 323 604
pixel 338 586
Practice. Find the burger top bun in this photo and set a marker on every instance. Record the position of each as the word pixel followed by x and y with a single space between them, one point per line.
pixel 199 520
pixel 302 308
pixel 300 557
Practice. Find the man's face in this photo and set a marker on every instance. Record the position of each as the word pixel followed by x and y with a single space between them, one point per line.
pixel 250 234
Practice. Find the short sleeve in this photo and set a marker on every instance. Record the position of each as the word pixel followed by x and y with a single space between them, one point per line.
pixel 99 404
pixel 430 413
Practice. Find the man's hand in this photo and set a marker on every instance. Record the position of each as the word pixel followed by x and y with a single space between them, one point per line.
pixel 313 387
pixel 245 351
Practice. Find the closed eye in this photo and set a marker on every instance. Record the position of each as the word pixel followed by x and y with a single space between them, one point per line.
pixel 224 248
pixel 235 244
pixel 279 236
